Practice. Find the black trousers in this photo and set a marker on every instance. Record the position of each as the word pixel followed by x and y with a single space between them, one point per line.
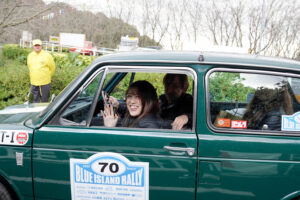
pixel 40 93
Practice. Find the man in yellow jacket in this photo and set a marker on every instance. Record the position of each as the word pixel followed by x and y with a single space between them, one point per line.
pixel 41 69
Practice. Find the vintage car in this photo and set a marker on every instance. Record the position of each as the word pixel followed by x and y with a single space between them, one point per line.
pixel 243 142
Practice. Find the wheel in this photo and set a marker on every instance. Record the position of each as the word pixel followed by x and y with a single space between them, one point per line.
pixel 4 194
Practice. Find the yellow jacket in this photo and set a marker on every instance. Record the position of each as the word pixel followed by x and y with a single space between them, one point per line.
pixel 41 68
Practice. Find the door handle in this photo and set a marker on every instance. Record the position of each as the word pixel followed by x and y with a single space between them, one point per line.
pixel 180 150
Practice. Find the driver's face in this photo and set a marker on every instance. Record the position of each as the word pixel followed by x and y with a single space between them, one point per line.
pixel 173 90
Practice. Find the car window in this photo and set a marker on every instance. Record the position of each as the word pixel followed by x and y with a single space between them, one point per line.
pixel 77 111
pixel 253 101
pixel 132 99
pixel 117 85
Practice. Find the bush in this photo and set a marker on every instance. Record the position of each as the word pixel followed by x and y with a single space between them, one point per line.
pixel 22 59
pixel 13 51
pixel 14 83
pixel 72 60
pixel 1 62
pixel 57 49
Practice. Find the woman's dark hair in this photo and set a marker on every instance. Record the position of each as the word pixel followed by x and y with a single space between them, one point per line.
pixel 149 99
pixel 266 100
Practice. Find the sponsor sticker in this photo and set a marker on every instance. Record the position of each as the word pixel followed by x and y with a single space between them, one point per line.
pixel 13 137
pixel 22 138
pixel 109 176
pixel 291 122
pixel 223 122
pixel 238 124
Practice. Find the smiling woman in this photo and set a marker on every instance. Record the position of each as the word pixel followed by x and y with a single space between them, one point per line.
pixel 142 108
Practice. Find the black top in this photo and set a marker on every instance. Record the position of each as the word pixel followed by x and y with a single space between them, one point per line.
pixel 272 120
pixel 183 105
pixel 148 121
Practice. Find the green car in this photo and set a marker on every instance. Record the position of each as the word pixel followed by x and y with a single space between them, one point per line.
pixel 240 140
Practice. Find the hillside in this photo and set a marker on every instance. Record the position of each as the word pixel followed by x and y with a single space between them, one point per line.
pixel 103 31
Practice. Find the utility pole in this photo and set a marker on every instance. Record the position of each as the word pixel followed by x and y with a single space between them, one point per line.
pixel 262 26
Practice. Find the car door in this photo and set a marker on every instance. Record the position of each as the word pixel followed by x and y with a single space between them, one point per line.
pixel 65 153
pixel 250 148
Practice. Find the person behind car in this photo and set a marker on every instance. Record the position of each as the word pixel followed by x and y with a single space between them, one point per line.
pixel 266 108
pixel 41 69
pixel 142 108
pixel 176 105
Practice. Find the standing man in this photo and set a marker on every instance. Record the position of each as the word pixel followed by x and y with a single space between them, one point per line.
pixel 176 104
pixel 41 69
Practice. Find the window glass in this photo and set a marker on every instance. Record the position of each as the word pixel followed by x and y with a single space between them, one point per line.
pixel 78 111
pixel 254 101
pixel 295 85
pixel 138 101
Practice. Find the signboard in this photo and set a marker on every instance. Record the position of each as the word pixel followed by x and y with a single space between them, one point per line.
pixel 72 40
pixel 26 36
pixel 109 176
pixel 54 39
pixel 128 43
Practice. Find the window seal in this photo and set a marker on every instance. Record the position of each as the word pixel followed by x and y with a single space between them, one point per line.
pixel 153 69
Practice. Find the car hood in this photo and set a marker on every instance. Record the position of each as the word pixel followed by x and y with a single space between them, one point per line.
pixel 17 114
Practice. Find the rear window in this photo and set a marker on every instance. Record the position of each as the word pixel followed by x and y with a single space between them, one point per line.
pixel 253 101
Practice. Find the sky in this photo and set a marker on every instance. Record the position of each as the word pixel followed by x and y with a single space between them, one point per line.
pixel 103 6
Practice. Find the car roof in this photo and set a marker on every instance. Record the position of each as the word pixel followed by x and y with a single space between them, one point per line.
pixel 200 57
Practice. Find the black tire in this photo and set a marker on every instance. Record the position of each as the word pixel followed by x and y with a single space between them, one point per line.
pixel 4 194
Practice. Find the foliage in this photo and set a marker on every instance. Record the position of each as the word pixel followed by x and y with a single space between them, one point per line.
pixel 57 49
pixel 156 79
pixel 14 83
pixel 1 62
pixel 228 87
pixel 72 60
pixel 14 74
pixel 103 31
pixel 13 51
pixel 22 59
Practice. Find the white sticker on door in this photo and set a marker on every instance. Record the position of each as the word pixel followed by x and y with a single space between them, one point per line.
pixel 14 137
pixel 109 176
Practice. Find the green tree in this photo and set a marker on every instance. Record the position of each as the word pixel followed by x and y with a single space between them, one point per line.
pixel 228 87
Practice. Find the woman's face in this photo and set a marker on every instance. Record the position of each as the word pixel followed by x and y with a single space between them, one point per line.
pixel 134 103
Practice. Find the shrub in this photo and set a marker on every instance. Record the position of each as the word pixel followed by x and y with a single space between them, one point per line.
pixel 13 51
pixel 14 83
pixel 57 49
pixel 22 59
pixel 1 62
pixel 72 60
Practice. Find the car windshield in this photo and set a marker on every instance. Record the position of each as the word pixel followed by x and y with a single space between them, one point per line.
pixel 36 119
